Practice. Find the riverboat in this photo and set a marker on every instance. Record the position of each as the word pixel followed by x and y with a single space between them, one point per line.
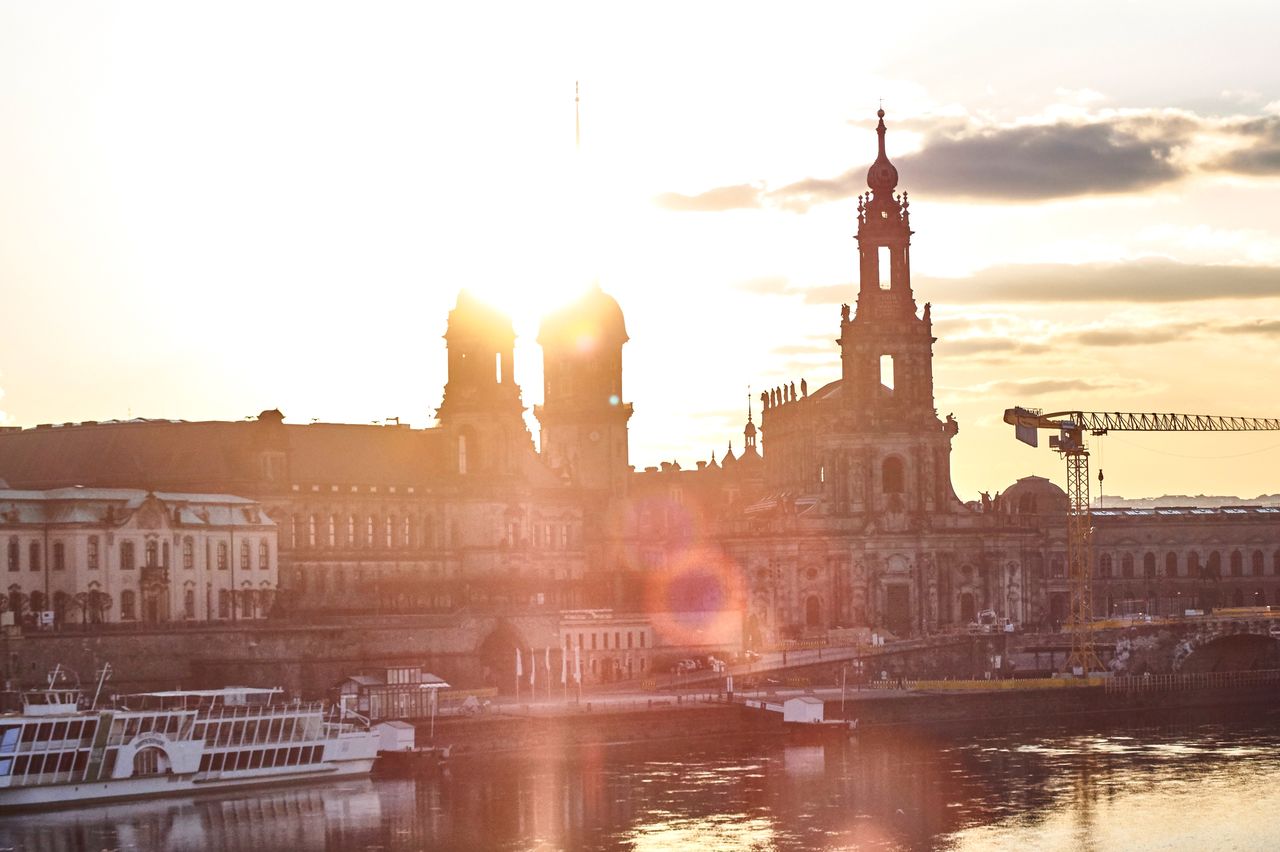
pixel 64 750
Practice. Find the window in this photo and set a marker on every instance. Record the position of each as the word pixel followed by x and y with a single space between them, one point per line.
pixel 189 603
pixel 369 534
pixel 1171 564
pixel 1104 566
pixel 222 556
pixel 886 371
pixel 406 534
pixel 351 530
pixel 15 554
pixel 127 561
pixel 891 475
pixel 59 556
pixel 224 604
pixel 264 555
pixel 1193 564
pixel 333 530
pixel 311 531
pixel 152 551
pixel 246 556
pixel 34 556
pixel 462 454
pixel 390 525
pixel 127 599
pixel 1257 563
pixel 93 553
pixel 188 553
pixel 1237 564
pixel 1126 566
pixel 884 267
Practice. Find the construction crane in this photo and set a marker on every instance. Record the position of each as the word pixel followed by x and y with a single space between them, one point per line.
pixel 1070 444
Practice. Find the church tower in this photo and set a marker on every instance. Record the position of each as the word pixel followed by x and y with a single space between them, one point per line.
pixel 583 417
pixel 481 413
pixel 887 363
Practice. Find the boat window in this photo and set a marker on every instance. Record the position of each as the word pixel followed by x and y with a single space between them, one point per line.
pixel 9 738
pixel 59 730
pixel 45 732
pixel 242 760
pixel 82 761
pixel 255 760
pixel 66 761
pixel 21 764
pixel 90 730
pixel 216 763
pixel 205 760
pixel 6 766
pixel 109 764
pixel 295 755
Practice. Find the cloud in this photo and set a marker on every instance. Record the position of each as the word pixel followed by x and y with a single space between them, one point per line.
pixel 741 197
pixel 1040 387
pixel 766 285
pixel 1101 153
pixel 1262 154
pixel 1148 280
pixel 989 346
pixel 1269 328
pixel 1141 336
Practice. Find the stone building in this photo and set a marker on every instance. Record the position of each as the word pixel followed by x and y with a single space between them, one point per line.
pixel 838 512
pixel 97 555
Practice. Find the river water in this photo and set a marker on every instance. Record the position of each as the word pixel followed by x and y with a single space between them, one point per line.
pixel 1191 782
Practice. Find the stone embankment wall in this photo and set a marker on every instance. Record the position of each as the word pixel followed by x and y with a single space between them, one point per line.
pixel 304 659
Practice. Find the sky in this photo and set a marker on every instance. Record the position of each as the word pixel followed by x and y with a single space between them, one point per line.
pixel 208 210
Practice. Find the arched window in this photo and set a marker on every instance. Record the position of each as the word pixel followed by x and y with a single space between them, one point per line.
pixel 34 557
pixel 295 530
pixel 891 475
pixel 1126 566
pixel 407 532
pixel 127 605
pixel 463 448
pixel 188 553
pixel 351 531
pixel 370 534
pixel 1104 565
pixel 189 603
pixel 813 611
pixel 1149 565
pixel 1171 564
pixel 1237 564
pixel 391 526
pixel 333 530
pixel 1257 563
pixel 312 525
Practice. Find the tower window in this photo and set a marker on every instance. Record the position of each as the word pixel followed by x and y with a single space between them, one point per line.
pixel 462 454
pixel 884 267
pixel 886 371
pixel 497 367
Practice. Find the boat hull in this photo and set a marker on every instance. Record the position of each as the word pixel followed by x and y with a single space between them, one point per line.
pixel 88 792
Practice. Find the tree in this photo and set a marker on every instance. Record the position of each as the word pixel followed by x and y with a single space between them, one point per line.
pixel 81 601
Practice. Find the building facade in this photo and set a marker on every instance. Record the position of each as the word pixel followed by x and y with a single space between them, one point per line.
pixel 838 512
pixel 97 555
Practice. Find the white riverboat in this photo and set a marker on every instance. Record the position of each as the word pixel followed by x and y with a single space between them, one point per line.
pixel 60 752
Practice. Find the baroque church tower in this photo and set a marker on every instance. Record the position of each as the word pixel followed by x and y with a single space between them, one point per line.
pixel 583 417
pixel 887 364
pixel 481 414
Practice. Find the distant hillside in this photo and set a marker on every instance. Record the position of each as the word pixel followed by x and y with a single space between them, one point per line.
pixel 1200 500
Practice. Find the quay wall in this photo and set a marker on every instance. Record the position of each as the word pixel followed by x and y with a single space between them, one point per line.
pixel 305 659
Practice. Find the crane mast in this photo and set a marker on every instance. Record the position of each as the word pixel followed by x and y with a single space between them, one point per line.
pixel 1070 444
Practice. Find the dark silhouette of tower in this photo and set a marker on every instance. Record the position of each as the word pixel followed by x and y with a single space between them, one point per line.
pixel 583 417
pixel 481 413
pixel 886 349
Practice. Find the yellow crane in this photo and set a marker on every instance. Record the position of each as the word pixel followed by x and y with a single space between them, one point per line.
pixel 1070 444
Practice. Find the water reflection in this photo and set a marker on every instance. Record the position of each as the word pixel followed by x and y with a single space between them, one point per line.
pixel 1201 784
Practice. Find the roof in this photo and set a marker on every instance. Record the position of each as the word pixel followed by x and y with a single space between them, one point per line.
pixel 116 505
pixel 217 455
pixel 805 699
pixel 210 693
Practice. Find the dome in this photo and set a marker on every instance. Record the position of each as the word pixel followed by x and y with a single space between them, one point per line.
pixel 882 177
pixel 1033 495
pixel 594 316
pixel 476 318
